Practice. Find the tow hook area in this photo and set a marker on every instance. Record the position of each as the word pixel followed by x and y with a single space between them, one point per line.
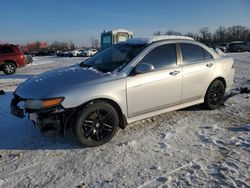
pixel 55 120
pixel 47 122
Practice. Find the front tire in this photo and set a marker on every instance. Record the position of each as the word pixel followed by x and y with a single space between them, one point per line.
pixel 9 68
pixel 215 94
pixel 96 124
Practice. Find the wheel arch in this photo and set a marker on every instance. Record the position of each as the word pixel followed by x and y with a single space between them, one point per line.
pixel 221 79
pixel 207 104
pixel 6 61
pixel 122 118
pixel 217 78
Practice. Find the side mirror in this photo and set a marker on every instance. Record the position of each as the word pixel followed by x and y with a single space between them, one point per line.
pixel 143 68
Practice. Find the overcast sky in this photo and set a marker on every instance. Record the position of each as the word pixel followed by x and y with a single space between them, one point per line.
pixel 23 21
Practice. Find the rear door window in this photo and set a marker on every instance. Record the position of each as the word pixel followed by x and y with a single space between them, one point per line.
pixel 192 53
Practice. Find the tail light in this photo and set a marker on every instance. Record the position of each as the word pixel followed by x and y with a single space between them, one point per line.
pixel 21 57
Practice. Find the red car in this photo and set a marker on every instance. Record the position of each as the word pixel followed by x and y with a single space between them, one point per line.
pixel 11 58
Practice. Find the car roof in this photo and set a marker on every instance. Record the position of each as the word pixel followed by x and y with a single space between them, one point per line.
pixel 168 38
pixel 151 39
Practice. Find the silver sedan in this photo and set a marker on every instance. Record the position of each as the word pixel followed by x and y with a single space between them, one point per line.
pixel 124 83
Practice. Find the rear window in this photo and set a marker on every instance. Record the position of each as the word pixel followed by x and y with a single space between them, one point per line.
pixel 6 50
pixel 193 53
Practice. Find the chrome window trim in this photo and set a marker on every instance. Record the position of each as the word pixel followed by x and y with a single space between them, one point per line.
pixel 129 67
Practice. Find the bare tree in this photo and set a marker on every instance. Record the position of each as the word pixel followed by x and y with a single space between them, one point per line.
pixel 59 46
pixel 195 36
pixel 72 46
pixel 205 34
pixel 220 34
pixel 171 32
pixel 248 35
pixel 238 32
pixel 157 33
pixel 94 42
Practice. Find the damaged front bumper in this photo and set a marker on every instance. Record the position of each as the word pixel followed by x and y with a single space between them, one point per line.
pixel 15 109
pixel 55 118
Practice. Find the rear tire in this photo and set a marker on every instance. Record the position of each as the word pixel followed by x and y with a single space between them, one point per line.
pixel 96 124
pixel 9 68
pixel 214 95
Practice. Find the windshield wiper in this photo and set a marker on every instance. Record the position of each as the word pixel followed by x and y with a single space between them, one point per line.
pixel 99 68
pixel 103 69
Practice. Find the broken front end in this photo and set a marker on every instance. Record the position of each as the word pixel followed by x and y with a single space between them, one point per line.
pixel 47 114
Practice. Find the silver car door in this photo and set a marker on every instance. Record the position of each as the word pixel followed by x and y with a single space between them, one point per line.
pixel 157 89
pixel 198 70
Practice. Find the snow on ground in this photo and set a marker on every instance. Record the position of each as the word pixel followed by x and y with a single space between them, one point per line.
pixel 39 65
pixel 190 147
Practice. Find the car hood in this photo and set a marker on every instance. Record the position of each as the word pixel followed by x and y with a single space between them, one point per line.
pixel 47 83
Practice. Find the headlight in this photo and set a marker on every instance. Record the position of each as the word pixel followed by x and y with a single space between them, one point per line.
pixel 44 103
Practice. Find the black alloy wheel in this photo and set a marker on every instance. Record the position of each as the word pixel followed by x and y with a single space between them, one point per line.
pixel 96 124
pixel 215 94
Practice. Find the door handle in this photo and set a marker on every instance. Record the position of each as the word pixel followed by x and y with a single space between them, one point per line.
pixel 174 73
pixel 209 65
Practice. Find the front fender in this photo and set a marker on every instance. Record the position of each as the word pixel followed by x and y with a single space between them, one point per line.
pixel 114 90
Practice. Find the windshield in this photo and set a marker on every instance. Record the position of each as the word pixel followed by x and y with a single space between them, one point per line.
pixel 114 57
